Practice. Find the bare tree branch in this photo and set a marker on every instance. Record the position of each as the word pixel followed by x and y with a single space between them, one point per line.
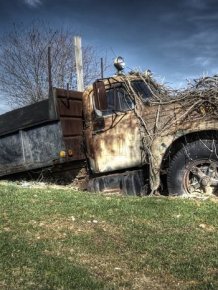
pixel 23 62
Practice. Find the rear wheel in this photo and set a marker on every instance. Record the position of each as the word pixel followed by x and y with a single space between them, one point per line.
pixel 194 169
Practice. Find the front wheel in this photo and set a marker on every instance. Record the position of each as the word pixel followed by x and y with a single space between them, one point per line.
pixel 194 169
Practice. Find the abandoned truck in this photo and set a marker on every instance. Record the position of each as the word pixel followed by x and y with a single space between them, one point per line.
pixel 135 135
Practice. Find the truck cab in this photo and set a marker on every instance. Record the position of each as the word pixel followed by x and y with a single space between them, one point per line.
pixel 135 129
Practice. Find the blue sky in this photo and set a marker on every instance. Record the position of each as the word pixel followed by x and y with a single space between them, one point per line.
pixel 177 40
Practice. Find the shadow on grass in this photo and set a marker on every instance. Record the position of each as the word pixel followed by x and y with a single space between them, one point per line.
pixel 25 266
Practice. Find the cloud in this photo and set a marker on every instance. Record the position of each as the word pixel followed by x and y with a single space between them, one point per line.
pixel 33 3
pixel 197 4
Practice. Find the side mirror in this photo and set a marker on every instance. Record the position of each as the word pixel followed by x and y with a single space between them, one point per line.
pixel 100 96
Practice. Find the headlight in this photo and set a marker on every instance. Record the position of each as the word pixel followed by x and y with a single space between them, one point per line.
pixel 119 63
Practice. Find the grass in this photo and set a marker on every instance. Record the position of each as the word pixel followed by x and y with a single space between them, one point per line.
pixel 62 239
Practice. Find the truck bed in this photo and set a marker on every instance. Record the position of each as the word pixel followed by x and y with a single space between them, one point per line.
pixel 32 137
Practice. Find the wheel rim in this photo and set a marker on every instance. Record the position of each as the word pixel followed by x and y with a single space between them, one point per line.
pixel 200 177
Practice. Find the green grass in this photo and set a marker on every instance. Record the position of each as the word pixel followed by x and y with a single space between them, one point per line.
pixel 62 239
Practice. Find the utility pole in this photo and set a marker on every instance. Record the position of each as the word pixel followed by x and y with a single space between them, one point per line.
pixel 79 63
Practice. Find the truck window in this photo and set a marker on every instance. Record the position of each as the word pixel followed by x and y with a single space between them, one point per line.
pixel 141 89
pixel 118 100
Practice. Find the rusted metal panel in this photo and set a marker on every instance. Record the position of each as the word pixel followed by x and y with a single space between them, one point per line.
pixel 69 107
pixel 117 146
pixel 113 142
pixel 32 137
pixel 74 147
pixel 30 148
pixel 70 112
pixel 71 126
pixel 99 95
pixel 62 93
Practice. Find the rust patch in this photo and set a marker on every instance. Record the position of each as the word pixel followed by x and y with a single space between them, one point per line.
pixel 70 111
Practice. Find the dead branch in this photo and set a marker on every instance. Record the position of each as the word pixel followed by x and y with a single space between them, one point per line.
pixel 198 101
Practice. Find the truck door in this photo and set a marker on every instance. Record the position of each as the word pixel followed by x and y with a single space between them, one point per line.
pixel 115 136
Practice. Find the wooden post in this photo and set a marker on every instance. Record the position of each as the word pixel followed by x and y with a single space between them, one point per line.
pixel 79 63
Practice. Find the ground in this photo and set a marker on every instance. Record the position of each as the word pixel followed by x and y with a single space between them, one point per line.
pixel 56 238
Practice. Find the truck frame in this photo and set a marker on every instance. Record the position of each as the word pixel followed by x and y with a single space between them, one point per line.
pixel 134 136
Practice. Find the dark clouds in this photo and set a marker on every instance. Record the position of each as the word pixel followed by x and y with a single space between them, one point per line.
pixel 175 39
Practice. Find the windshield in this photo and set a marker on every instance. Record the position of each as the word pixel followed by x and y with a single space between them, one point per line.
pixel 141 90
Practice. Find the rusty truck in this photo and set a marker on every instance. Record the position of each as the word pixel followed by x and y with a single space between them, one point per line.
pixel 128 135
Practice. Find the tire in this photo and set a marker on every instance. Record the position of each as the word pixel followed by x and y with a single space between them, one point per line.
pixel 202 154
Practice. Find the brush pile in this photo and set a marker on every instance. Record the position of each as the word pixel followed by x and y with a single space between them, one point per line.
pixel 201 95
pixel 198 102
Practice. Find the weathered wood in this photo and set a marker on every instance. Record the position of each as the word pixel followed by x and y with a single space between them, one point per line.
pixel 79 63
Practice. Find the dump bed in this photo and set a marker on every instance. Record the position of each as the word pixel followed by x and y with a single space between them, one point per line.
pixel 33 137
